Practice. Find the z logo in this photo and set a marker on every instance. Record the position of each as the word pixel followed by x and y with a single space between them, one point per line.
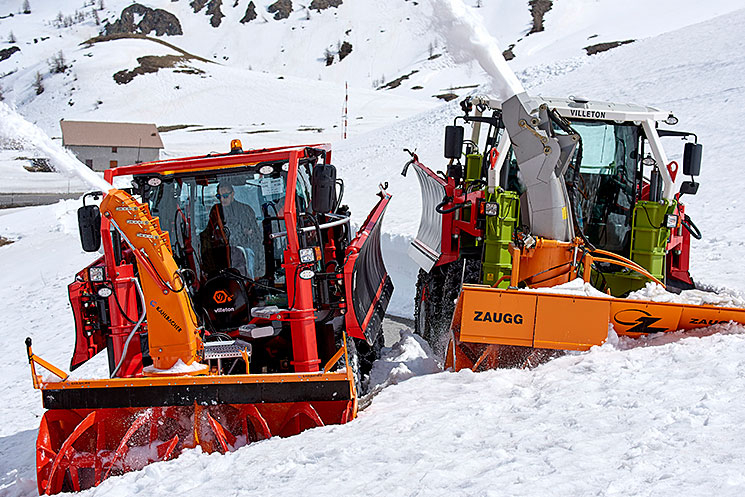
pixel 639 320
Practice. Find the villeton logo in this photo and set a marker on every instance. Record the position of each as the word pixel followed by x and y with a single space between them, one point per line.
pixel 221 296
pixel 639 320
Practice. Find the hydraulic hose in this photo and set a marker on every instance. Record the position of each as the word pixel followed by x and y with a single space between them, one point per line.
pixel 691 227
pixel 134 330
pixel 440 208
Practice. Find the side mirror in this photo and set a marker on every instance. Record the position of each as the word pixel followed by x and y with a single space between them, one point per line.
pixel 453 142
pixel 323 183
pixel 688 188
pixel 692 159
pixel 89 225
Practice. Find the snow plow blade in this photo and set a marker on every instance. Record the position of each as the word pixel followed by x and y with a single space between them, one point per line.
pixel 368 286
pixel 96 429
pixel 534 320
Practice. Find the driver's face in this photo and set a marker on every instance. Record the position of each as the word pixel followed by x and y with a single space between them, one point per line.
pixel 225 196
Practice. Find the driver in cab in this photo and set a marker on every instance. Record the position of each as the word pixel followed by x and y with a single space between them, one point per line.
pixel 234 224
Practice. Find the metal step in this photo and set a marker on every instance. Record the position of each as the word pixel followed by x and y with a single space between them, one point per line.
pixel 228 349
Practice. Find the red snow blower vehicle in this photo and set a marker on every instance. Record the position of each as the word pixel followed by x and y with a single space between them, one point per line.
pixel 234 304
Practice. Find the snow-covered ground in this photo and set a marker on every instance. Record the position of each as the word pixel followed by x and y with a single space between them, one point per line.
pixel 655 417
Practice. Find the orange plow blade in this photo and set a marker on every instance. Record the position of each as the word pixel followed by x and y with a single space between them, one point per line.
pixel 497 328
pixel 79 448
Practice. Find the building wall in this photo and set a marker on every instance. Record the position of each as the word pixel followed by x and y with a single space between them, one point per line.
pixel 100 157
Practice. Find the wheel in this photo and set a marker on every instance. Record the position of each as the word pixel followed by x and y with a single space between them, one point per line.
pixel 362 355
pixel 436 293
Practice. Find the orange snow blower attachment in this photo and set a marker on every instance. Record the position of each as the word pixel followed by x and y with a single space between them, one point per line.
pixel 226 297
pixel 488 321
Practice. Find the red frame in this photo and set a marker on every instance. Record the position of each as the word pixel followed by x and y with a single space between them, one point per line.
pixel 452 225
pixel 299 291
pixel 356 325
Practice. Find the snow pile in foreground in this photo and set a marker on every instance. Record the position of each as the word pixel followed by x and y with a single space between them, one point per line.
pixel 410 356
pixel 649 420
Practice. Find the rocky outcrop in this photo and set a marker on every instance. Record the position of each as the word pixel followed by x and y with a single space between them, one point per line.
pixel 344 50
pixel 602 47
pixel 509 54
pixel 250 13
pixel 154 63
pixel 538 9
pixel 158 20
pixel 281 9
pixel 213 9
pixel 5 53
pixel 198 5
pixel 320 5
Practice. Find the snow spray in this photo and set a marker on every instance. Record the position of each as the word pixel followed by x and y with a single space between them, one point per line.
pixel 15 129
pixel 467 39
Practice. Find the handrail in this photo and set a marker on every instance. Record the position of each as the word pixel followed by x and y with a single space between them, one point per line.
pixel 306 229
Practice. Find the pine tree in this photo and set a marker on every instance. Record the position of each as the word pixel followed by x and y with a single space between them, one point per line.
pixel 58 64
pixel 39 83
pixel 96 18
pixel 26 7
pixel 12 38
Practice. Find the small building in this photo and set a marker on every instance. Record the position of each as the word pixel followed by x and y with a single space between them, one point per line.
pixel 103 145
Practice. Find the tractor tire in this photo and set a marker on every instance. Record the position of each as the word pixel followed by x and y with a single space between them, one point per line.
pixel 436 295
pixel 362 356
pixel 436 292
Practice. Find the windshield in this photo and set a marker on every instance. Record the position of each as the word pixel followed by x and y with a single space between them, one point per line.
pixel 224 220
pixel 602 190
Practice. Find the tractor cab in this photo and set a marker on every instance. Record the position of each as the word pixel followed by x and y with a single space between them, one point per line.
pixel 229 234
pixel 614 166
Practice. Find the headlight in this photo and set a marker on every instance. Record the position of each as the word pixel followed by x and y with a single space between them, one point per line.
pixel 97 274
pixel 105 292
pixel 671 221
pixel 307 255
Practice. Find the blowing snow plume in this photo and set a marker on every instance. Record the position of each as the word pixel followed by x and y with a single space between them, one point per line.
pixel 15 129
pixel 467 39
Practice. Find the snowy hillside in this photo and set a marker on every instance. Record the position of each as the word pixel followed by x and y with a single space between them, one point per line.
pixel 389 39
pixel 659 417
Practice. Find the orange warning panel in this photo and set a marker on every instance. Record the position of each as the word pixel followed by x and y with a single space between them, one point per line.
pixel 568 322
pixel 497 317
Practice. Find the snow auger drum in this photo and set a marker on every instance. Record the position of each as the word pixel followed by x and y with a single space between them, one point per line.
pixel 225 298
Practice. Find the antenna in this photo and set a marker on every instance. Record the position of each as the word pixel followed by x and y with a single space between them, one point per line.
pixel 345 111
